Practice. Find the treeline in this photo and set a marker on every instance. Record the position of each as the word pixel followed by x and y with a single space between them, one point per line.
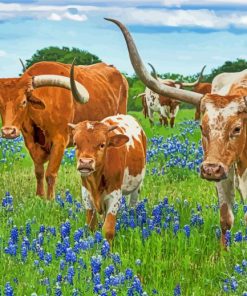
pixel 66 55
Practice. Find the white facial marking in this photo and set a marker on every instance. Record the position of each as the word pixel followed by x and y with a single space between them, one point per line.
pixel 128 126
pixel 85 194
pixel 131 183
pixel 214 114
pixel 89 126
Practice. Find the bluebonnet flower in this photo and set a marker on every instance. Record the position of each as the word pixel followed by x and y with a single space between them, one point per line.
pixel 71 273
pixel 145 233
pixel 65 229
pixel 105 249
pixel 59 278
pixel 98 237
pixel 62 264
pixel 176 227
pixel 138 262
pixel 78 234
pixel 59 200
pixel 234 284
pixel 238 236
pixel 238 268
pixel 70 255
pixel 42 228
pixel 68 197
pixel 228 238
pixel 129 274
pixel 187 230
pixel 109 270
pixel 14 234
pixel 116 258
pixel 96 264
pixel 48 258
pixel 8 290
pixel 58 291
pixel 177 290
pixel 23 253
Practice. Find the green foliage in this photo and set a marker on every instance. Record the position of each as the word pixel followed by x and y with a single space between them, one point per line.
pixel 228 66
pixel 136 87
pixel 63 55
pixel 196 263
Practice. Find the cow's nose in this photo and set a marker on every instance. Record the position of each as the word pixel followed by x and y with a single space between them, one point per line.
pixel 9 132
pixel 213 171
pixel 86 161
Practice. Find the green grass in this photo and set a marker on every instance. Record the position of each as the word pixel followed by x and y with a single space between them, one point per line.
pixel 198 264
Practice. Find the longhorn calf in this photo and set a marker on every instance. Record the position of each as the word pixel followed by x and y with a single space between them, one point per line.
pixel 111 158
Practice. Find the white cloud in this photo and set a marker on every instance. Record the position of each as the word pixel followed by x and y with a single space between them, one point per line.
pixel 190 18
pixel 54 17
pixel 2 53
pixel 67 15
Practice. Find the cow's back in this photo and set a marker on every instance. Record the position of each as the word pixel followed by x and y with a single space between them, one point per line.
pixel 134 150
pixel 107 95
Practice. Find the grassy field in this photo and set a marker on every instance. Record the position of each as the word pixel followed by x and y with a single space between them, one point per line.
pixel 168 245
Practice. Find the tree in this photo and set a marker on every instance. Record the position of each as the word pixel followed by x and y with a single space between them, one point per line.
pixel 63 55
pixel 228 66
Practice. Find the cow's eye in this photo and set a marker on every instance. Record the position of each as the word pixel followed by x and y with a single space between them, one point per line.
pixel 236 131
pixel 102 146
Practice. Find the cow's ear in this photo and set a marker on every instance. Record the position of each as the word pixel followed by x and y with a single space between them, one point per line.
pixel 118 140
pixel 35 103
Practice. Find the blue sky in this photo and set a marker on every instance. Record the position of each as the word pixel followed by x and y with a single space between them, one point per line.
pixel 174 35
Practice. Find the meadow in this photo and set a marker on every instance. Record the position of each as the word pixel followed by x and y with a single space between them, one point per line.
pixel 168 245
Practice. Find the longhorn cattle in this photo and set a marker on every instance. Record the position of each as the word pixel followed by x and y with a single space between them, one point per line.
pixel 164 105
pixel 201 88
pixel 32 105
pixel 111 158
pixel 223 125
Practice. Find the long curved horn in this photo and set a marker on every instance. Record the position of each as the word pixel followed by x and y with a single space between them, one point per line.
pixel 82 95
pixel 138 96
pixel 23 66
pixel 197 81
pixel 154 73
pixel 147 79
pixel 74 85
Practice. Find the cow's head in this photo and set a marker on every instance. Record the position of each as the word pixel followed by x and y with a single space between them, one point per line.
pixel 13 106
pixel 17 96
pixel 223 133
pixel 91 140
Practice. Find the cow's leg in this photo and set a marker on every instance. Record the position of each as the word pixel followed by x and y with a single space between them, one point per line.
pixel 163 115
pixel 112 203
pixel 56 155
pixel 242 188
pixel 91 215
pixel 39 157
pixel 134 197
pixel 172 121
pixel 225 191
pixel 173 115
pixel 151 116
